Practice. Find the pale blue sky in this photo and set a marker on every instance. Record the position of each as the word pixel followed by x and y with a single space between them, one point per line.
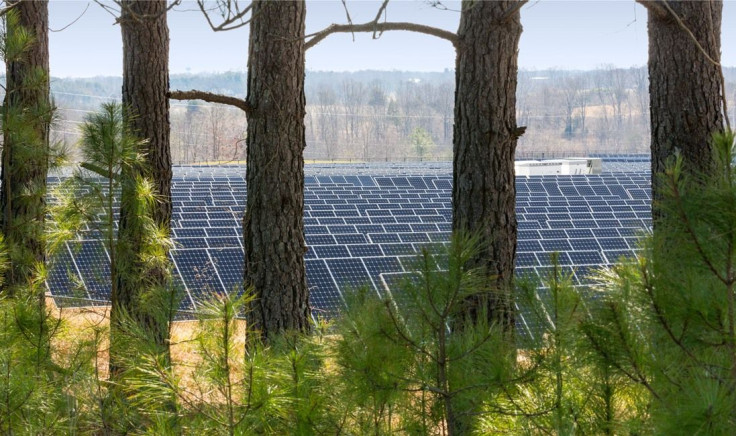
pixel 557 34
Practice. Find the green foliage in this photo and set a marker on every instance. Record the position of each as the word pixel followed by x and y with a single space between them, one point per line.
pixel 560 386
pixel 371 362
pixel 667 321
pixel 15 40
pixel 43 384
pixel 403 366
pixel 242 386
pixel 26 385
pixel 301 367
pixel 235 383
pixel 90 199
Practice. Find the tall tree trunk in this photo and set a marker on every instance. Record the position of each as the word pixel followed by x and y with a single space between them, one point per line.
pixel 273 226
pixel 145 86
pixel 484 142
pixel 684 86
pixel 26 117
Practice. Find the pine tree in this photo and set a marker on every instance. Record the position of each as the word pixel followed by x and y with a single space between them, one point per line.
pixel 685 84
pixel 273 225
pixel 484 136
pixel 141 288
pixel 484 144
pixel 26 115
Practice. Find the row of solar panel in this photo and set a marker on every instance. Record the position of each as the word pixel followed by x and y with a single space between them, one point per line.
pixel 202 273
pixel 81 274
pixel 379 235
pixel 377 226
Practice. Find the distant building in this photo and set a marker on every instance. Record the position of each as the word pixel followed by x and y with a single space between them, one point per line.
pixel 572 166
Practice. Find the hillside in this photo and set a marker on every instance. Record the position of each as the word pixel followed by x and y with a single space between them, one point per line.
pixel 399 115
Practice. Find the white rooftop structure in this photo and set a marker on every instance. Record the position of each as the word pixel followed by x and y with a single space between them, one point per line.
pixel 570 166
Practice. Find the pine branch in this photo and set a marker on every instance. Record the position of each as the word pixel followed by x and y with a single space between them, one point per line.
pixel 211 98
pixel 377 28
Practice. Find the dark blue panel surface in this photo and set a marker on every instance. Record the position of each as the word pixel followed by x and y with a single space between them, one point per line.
pixel 229 265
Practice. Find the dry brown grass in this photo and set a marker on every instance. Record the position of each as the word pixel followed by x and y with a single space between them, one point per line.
pixel 91 324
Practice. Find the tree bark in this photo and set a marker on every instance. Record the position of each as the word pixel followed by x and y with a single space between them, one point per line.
pixel 26 146
pixel 273 226
pixel 145 96
pixel 484 143
pixel 684 86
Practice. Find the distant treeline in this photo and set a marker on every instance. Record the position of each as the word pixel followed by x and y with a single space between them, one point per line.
pixel 399 115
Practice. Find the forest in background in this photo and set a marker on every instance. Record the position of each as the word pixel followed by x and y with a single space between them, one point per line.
pixel 398 115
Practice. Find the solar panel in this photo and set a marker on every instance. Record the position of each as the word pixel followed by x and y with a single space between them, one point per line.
pixel 349 273
pixel 223 241
pixel 329 251
pixel 94 267
pixel 324 297
pixel 364 223
pixel 351 238
pixel 398 249
pixel 198 273
pixel 229 265
pixel 61 278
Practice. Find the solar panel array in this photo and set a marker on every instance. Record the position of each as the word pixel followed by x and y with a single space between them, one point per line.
pixel 364 225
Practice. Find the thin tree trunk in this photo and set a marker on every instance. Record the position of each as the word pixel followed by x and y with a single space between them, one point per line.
pixel 26 153
pixel 273 226
pixel 145 86
pixel 484 142
pixel 684 86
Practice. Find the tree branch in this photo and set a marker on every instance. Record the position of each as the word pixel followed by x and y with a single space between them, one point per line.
pixel 232 20
pixel 68 25
pixel 377 29
pixel 381 11
pixel 131 14
pixel 211 98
